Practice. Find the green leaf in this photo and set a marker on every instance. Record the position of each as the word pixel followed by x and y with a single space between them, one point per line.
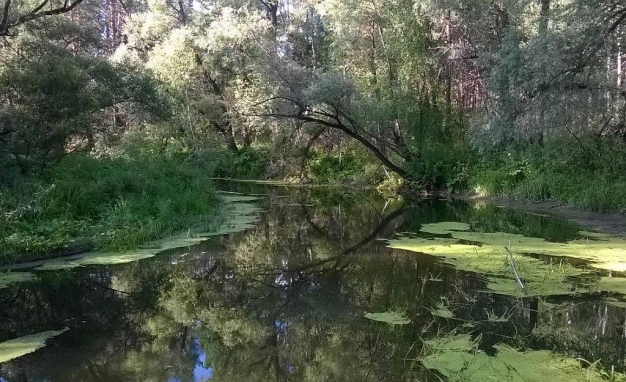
pixel 393 318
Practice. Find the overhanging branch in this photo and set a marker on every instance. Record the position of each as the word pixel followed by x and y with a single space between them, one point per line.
pixel 337 124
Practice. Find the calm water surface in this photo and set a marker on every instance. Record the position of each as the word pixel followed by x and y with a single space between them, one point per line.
pixel 286 301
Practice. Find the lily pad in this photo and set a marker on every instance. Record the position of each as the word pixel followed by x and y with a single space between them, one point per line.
pixel 18 347
pixel 393 318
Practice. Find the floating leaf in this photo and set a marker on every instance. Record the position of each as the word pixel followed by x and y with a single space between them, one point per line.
pixel 18 347
pixel 393 318
pixel 457 358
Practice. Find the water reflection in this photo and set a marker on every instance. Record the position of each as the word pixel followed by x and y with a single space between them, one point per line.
pixel 286 301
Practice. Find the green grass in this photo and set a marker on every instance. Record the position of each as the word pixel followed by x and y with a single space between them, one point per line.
pixel 593 178
pixel 113 204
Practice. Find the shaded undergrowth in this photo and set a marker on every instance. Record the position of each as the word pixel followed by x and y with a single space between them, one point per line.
pixel 106 204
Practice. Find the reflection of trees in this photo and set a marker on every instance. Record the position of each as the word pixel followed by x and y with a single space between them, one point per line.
pixel 285 301
pixel 279 307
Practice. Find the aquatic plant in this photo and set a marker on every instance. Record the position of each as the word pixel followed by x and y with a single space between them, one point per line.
pixel 391 317
pixel 441 309
pixel 540 277
pixel 487 254
pixel 14 277
pixel 458 358
pixel 237 215
pixel 444 228
pixel 18 347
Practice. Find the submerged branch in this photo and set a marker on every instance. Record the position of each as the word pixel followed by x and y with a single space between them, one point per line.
pixel 514 267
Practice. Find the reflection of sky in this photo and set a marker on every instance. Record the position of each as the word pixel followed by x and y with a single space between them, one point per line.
pixel 200 372
pixel 280 325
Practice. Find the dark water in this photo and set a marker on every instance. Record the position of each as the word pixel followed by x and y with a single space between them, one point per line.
pixel 286 301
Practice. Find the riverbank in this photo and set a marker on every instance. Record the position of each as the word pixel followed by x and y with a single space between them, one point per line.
pixel 104 204
pixel 589 176
pixel 605 222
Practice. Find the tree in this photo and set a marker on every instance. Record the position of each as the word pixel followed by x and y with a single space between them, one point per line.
pixel 51 95
pixel 15 13
pixel 329 100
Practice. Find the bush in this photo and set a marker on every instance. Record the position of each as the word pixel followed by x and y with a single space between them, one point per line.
pixel 329 167
pixel 441 167
pixel 247 163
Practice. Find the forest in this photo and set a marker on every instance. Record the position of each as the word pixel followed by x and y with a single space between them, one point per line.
pixel 117 116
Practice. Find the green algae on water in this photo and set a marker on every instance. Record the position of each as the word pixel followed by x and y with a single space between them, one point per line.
pixel 444 228
pixel 442 310
pixel 238 198
pixel 457 358
pixel 114 258
pixel 239 215
pixel 7 278
pixel 18 347
pixel 553 276
pixel 393 318
pixel 539 277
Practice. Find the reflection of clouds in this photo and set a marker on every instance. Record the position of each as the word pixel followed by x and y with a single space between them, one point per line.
pixel 201 373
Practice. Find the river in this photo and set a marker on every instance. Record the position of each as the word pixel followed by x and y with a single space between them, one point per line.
pixel 312 291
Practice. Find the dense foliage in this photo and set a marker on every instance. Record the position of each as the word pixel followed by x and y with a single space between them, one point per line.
pixel 521 97
pixel 109 204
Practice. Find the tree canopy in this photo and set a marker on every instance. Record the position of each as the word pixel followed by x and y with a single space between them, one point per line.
pixel 402 79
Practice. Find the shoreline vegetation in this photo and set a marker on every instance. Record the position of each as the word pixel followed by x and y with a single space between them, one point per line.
pixel 105 204
pixel 119 203
pixel 113 140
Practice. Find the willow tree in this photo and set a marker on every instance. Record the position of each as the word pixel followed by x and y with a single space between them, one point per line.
pixel 208 62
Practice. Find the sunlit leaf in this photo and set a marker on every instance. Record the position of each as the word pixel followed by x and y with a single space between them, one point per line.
pixel 18 347
pixel 393 318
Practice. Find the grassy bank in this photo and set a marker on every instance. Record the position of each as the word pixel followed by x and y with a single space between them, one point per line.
pixel 107 204
pixel 588 175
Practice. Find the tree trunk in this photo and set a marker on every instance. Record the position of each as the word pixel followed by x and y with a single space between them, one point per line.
pixel 338 125
pixel 230 140
pixel 372 60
